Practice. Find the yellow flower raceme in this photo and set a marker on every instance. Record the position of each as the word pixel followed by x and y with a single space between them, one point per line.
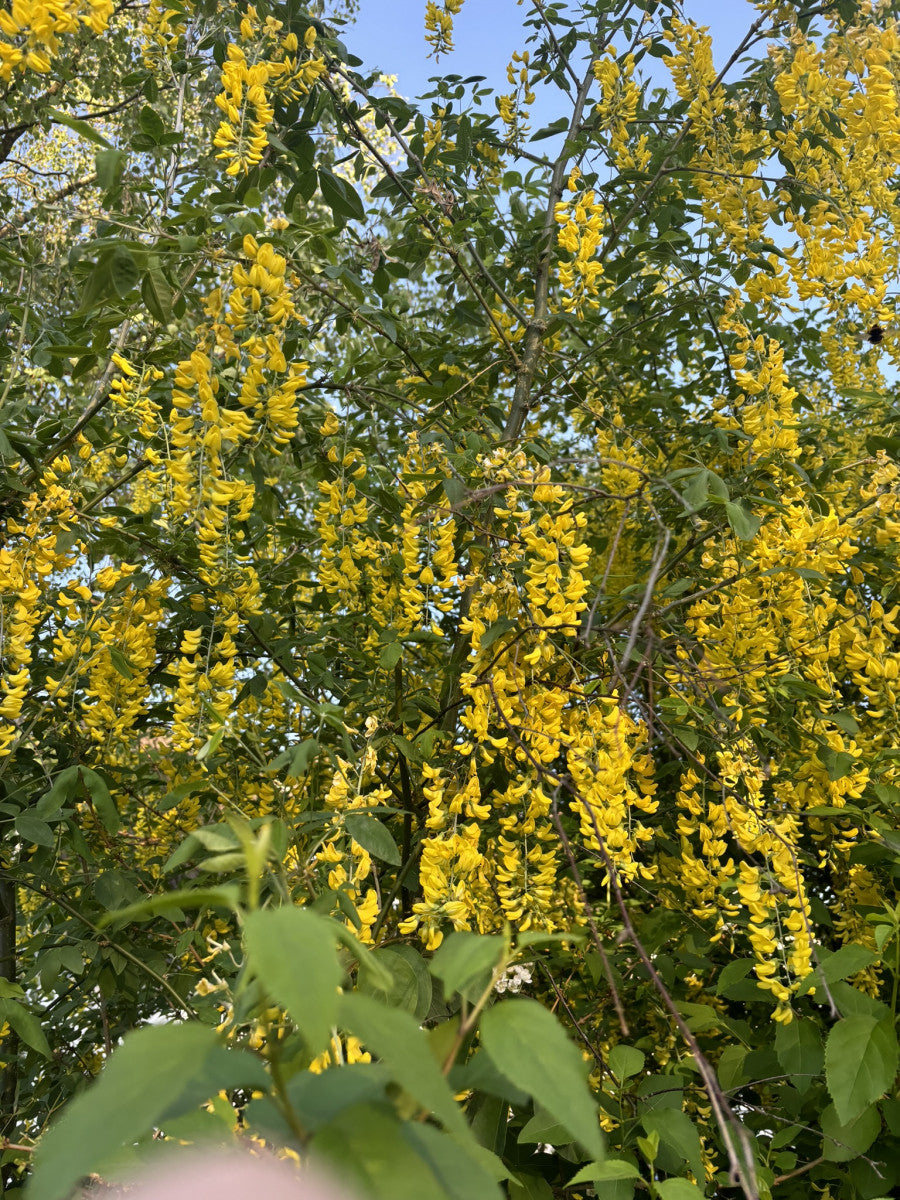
pixel 439 24
pixel 581 222
pixel 29 557
pixel 32 31
pixel 264 65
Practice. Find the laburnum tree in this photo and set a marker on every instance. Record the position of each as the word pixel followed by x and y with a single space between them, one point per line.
pixel 449 615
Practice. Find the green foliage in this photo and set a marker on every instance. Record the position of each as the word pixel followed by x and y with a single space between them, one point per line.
pixel 159 1074
pixel 278 942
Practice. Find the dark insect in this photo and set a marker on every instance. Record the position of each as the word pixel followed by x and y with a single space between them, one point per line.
pixel 875 335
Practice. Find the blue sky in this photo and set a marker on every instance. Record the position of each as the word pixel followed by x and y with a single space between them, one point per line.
pixel 390 34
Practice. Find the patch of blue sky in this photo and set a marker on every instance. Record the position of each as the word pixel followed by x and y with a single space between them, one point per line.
pixel 390 35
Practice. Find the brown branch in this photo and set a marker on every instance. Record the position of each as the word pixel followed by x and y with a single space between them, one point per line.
pixel 742 1168
pixel 537 325
pixel 639 201
pixel 798 1171
pixel 432 228
pixel 76 185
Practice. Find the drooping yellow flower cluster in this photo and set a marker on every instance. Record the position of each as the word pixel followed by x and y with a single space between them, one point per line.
pixel 406 586
pixel 855 104
pixel 262 66
pixel 770 635
pixel 613 776
pixel 836 136
pixel 581 222
pixel 257 405
pixel 728 155
pixel 764 406
pixel 439 25
pixel 350 864
pixel 513 106
pixel 524 609
pixel 162 30
pixel 235 390
pixel 340 516
pixel 34 29
pixel 205 671
pixel 434 136
pixel 453 883
pixel 129 392
pixel 107 648
pixel 28 556
pixel 693 72
pixel 616 109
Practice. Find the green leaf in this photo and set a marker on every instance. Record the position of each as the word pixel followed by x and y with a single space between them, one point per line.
pixel 420 1003
pixel 159 1070
pixel 157 295
pixel 110 164
pixel 800 1052
pixel 839 764
pixel 101 799
pixel 120 662
pixel 488 1117
pixel 340 196
pixel 80 127
pixel 465 959
pixel 527 1044
pixel 297 758
pixel 410 751
pixel 625 1061
pixel 318 1099
pixel 478 1073
pixel 33 829
pixel 390 655
pixel 173 799
pixel 115 889
pixel 396 1038
pixel 123 271
pixel 499 627
pixel 369 962
pixel 51 802
pixel 211 745
pixel 542 1128
pixel 607 1171
pixel 404 990
pixel 26 1025
pixel 151 123
pixel 677 1131
pixel 538 937
pixel 860 1064
pixel 730 1068
pixel 455 490
pixel 744 523
pixel 365 1148
pixel 465 1172
pixel 555 127
pixel 696 493
pixel 373 836
pixel 525 1186
pixel 848 1140
pixel 847 961
pixel 678 1189
pixel 292 952
pixel 226 896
